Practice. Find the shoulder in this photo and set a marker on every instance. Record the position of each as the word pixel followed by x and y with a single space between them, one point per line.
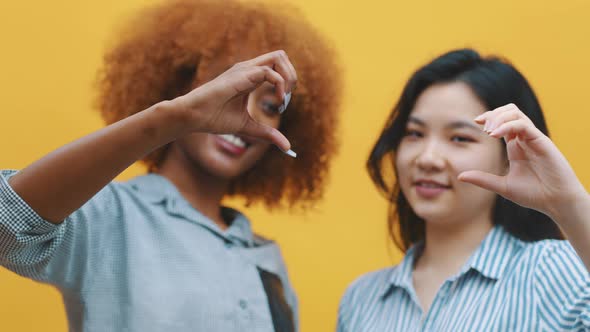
pixel 555 262
pixel 552 252
pixel 368 287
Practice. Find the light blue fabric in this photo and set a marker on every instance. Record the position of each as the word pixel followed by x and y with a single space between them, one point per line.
pixel 138 257
pixel 507 285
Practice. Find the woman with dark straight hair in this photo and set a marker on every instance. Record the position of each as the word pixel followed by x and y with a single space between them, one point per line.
pixel 475 211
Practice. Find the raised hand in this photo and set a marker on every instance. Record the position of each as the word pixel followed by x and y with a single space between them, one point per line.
pixel 219 106
pixel 539 176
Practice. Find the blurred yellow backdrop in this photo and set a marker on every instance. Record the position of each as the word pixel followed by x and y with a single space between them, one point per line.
pixel 51 50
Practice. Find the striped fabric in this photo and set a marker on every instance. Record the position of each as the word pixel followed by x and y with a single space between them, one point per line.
pixel 138 257
pixel 506 285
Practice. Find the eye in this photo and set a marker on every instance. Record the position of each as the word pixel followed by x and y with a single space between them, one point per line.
pixel 410 133
pixel 462 139
pixel 269 107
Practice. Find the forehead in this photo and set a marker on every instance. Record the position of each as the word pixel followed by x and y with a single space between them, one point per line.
pixel 447 102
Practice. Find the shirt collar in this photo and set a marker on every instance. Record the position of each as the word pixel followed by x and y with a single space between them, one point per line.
pixel 159 190
pixel 401 275
pixel 494 253
pixel 490 259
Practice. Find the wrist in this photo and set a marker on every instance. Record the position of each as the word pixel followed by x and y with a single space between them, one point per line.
pixel 191 110
pixel 573 212
pixel 175 116
pixel 171 118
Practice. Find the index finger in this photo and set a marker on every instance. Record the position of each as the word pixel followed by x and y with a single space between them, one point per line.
pixel 279 62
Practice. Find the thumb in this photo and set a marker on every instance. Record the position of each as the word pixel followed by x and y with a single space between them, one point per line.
pixel 266 133
pixel 485 180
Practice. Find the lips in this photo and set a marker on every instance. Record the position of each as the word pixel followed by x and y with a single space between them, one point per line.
pixel 429 189
pixel 232 144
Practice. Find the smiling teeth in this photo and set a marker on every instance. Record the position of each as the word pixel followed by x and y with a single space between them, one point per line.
pixel 235 140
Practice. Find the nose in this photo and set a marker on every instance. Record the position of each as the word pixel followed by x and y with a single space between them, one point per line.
pixel 430 158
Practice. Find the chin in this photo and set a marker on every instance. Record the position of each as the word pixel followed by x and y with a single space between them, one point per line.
pixel 223 170
pixel 432 214
pixel 223 174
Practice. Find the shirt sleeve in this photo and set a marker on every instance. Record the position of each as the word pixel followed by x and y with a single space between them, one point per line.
pixel 562 287
pixel 57 254
pixel 344 312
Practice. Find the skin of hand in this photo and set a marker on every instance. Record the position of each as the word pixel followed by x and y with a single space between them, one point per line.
pixel 539 176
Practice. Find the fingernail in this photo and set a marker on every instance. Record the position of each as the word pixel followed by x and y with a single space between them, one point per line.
pixel 291 153
pixel 479 117
pixel 286 100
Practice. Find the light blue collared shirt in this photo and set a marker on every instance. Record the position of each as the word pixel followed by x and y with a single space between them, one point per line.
pixel 138 257
pixel 506 285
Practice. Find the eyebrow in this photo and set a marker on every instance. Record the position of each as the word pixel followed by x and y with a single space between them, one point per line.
pixel 452 125
pixel 463 124
pixel 415 120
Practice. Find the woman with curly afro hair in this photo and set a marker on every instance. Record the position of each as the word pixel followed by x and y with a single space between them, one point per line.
pixel 198 90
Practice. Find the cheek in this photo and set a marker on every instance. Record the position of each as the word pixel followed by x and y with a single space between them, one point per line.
pixel 269 120
pixel 255 154
pixel 403 165
pixel 260 148
pixel 404 158
pixel 489 159
pixel 272 121
pixel 194 142
pixel 260 116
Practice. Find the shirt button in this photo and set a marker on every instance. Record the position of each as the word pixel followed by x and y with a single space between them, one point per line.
pixel 243 304
pixel 229 245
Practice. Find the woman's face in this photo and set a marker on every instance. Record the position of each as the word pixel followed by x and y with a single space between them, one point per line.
pixel 229 156
pixel 440 142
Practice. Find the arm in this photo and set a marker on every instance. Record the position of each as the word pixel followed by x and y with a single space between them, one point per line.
pixel 574 219
pixel 61 182
pixel 539 177
pixel 561 289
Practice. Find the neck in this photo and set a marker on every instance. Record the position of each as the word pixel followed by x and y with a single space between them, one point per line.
pixel 201 189
pixel 447 247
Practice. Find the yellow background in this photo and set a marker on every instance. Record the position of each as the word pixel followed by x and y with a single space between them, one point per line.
pixel 51 49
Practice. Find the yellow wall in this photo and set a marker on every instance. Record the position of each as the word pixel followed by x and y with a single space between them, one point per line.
pixel 51 49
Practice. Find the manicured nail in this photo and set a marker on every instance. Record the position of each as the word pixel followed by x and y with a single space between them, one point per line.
pixel 291 153
pixel 286 100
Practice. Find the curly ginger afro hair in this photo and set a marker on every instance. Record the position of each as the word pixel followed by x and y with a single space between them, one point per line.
pixel 160 54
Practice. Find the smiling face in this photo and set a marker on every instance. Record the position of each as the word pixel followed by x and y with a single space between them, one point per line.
pixel 440 142
pixel 229 156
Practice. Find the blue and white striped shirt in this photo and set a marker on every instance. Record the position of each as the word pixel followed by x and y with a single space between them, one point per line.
pixel 139 257
pixel 506 285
